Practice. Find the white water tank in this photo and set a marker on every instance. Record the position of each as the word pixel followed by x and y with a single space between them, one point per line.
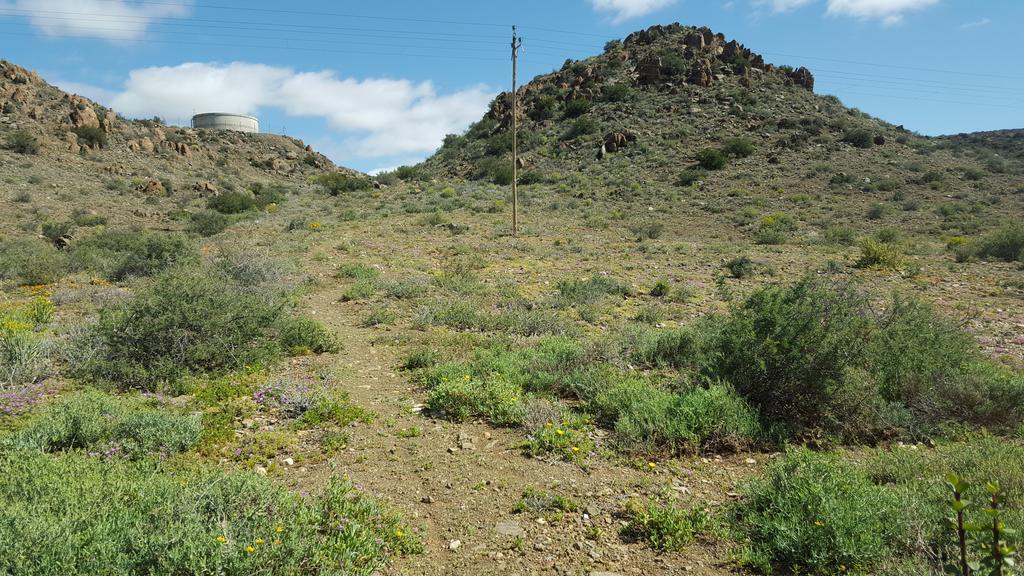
pixel 225 121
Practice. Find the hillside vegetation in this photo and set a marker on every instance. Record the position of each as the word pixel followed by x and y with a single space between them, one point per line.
pixel 744 329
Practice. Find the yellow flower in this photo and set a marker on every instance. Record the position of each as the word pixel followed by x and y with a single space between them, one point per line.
pixel 819 523
pixel 575 448
pixel 399 533
pixel 277 541
pixel 259 540
pixel 559 432
pixel 250 549
pixel 279 529
pixel 221 539
pixel 549 424
pixel 842 567
pixel 651 465
pixel 466 377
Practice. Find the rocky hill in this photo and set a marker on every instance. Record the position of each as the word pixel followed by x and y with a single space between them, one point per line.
pixel 90 142
pixel 646 108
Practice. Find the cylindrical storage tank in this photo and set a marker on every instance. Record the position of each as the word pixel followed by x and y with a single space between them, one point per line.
pixel 224 121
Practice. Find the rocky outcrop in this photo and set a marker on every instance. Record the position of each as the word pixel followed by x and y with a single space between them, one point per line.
pixel 153 188
pixel 701 73
pixel 802 77
pixel 84 117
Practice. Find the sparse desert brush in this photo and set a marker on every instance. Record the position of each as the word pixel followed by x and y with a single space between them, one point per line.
pixel 23 143
pixel 116 427
pixel 193 321
pixel 712 159
pixel 30 261
pixel 120 254
pixel 207 223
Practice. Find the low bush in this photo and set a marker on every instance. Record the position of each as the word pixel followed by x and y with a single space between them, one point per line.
pixel 859 137
pixel 493 398
pixel 23 349
pixel 31 261
pixel 119 254
pixel 91 136
pixel 137 518
pixel 232 202
pixel 576 108
pixel 590 290
pixel 207 223
pixel 23 143
pixel 690 177
pixel 712 159
pixel 580 127
pixel 740 267
pixel 650 419
pixel 567 436
pixel 190 321
pixel 301 336
pixel 774 228
pixel 813 513
pixel 880 255
pixel 738 147
pixel 336 183
pixel 1004 244
pixel 666 527
pixel 115 427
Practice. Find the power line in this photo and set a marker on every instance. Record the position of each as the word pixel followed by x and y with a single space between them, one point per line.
pixel 895 66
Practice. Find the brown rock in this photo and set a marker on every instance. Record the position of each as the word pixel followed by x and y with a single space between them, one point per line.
pixel 206 188
pixel 701 73
pixel 695 40
pixel 802 77
pixel 153 188
pixel 84 118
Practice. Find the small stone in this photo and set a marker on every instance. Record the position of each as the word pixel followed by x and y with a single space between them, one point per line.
pixel 750 461
pixel 539 547
pixel 454 545
pixel 427 500
pixel 261 470
pixel 289 461
pixel 509 528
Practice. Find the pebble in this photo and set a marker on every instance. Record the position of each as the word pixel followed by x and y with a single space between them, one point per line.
pixel 289 462
pixel 509 528
pixel 261 470
pixel 454 545
pixel 427 499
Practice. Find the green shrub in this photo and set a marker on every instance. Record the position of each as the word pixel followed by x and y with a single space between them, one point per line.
pixel 566 436
pixel 590 290
pixel 877 211
pixel 580 127
pixel 334 408
pixel 31 261
pixel 649 419
pixel 665 527
pixel 335 183
pixel 379 317
pixel 207 223
pixel 841 235
pixel 738 147
pixel 690 177
pixel 537 501
pixel 789 351
pixel 1005 244
pixel 357 271
pixel 306 336
pixel 232 202
pixel 99 423
pixel 880 255
pixel 660 289
pixel 22 351
pixel 615 92
pixel 138 518
pixel 576 108
pixel 740 267
pixel 91 137
pixel 812 513
pixel 712 159
pixel 186 321
pixel 23 143
pixel 774 228
pixel 859 137
pixel 119 254
pixel 501 174
pixel 493 398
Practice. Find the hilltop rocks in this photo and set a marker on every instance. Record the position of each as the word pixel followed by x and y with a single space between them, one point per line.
pixel 701 73
pixel 802 77
pixel 142 145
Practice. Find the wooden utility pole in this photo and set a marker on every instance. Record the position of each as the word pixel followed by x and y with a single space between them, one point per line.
pixel 516 43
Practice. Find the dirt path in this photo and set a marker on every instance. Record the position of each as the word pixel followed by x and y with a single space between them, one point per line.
pixel 457 484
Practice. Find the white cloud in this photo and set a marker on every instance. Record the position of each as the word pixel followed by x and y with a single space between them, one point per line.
pixel 116 20
pixel 783 5
pixel 890 12
pixel 376 118
pixel 626 9
pixel 976 24
pixel 88 90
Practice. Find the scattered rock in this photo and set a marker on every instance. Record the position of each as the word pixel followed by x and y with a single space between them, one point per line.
pixel 454 545
pixel 509 528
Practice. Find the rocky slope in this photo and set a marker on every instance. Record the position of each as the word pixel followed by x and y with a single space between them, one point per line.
pixel 646 107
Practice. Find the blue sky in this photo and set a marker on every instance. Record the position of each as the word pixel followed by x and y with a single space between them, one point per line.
pixel 376 85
